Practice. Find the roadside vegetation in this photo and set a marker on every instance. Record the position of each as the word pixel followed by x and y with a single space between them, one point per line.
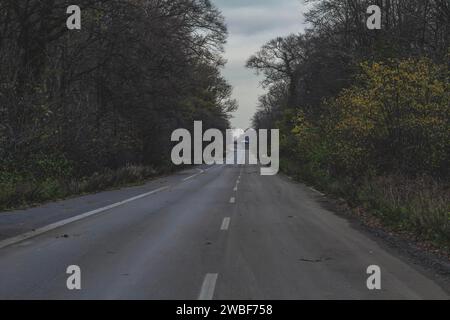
pixel 365 114
pixel 84 110
pixel 18 191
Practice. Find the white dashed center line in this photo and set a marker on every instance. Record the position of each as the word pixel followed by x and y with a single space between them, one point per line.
pixel 208 286
pixel 225 223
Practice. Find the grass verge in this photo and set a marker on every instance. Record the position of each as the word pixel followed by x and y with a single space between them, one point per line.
pixel 29 192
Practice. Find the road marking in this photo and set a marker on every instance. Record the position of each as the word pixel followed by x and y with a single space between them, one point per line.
pixel 311 188
pixel 214 166
pixel 31 234
pixel 235 189
pixel 232 200
pixel 225 223
pixel 194 175
pixel 208 287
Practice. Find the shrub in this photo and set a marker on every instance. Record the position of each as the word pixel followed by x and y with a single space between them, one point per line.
pixel 396 119
pixel 384 143
pixel 25 191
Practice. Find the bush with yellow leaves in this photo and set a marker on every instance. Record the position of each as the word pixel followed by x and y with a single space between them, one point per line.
pixel 393 125
pixel 396 119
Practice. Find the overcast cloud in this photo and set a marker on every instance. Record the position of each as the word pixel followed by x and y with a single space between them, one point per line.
pixel 251 23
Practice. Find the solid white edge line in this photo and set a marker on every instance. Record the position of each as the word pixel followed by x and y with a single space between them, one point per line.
pixel 194 175
pixel 208 287
pixel 13 240
pixel 322 194
pixel 214 166
pixel 31 234
pixel 188 178
pixel 225 223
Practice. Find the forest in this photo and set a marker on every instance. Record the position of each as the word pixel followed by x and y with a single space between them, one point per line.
pixel 365 114
pixel 90 109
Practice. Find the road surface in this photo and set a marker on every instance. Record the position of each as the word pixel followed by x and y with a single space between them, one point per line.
pixel 219 232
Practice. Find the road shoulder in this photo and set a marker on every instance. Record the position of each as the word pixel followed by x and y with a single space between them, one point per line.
pixel 434 265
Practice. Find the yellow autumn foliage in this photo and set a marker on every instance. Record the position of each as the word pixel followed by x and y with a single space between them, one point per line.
pixel 394 119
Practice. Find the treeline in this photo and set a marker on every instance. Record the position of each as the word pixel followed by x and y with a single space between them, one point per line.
pixel 365 114
pixel 77 105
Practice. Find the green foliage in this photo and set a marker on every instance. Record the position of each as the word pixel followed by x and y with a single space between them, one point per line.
pixel 15 193
pixel 366 115
pixel 73 103
pixel 396 119
pixel 394 123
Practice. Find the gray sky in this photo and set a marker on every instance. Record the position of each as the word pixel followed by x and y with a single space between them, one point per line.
pixel 251 23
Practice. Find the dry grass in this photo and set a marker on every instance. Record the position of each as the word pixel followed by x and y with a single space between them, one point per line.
pixel 420 205
pixel 22 193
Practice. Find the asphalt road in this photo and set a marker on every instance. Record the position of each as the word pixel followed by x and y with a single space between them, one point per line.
pixel 220 232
